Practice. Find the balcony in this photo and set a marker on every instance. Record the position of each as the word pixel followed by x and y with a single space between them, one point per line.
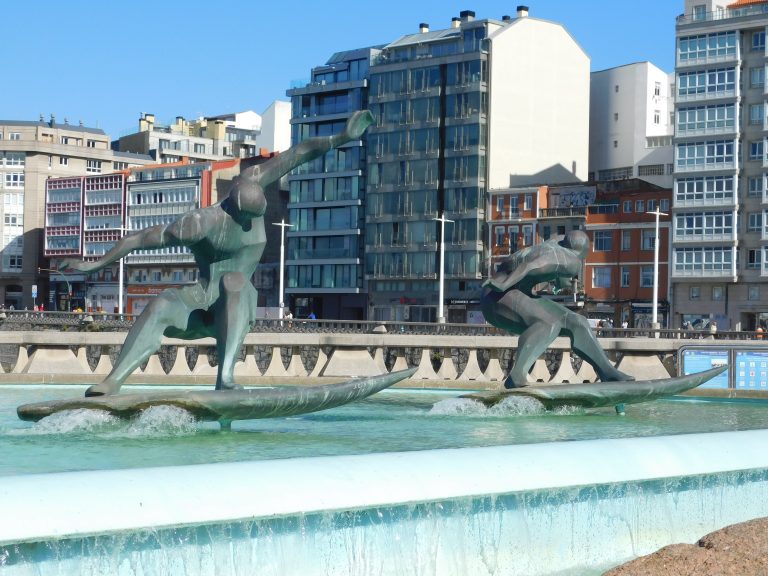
pixel 690 272
pixel 705 167
pixel 719 15
pixel 703 96
pixel 567 212
pixel 698 238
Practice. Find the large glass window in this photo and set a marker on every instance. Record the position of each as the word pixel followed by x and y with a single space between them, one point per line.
pixel 706 81
pixel 706 46
pixel 601 277
pixel 703 224
pixel 711 189
pixel 705 153
pixel 703 259
pixel 603 241
pixel 646 276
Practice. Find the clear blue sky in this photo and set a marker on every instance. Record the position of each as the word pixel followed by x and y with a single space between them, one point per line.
pixel 106 62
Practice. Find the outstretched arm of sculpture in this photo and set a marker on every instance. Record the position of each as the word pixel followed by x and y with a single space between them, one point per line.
pixel 307 150
pixel 182 232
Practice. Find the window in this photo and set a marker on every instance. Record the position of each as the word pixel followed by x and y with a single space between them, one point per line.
pixel 63 161
pixel 756 150
pixel 626 240
pixel 664 205
pixel 93 166
pixel 758 40
pixel 651 205
pixel 603 241
pixel 656 117
pixel 14 180
pixel 499 233
pixel 601 277
pixel 640 206
pixel 757 77
pixel 615 173
pixel 646 277
pixel 700 12
pixel 717 293
pixel 694 293
pixel 157 276
pixel 710 190
pixel 754 222
pixel 753 293
pixel 500 206
pixel 615 143
pixel 711 117
pixel 753 259
pixel 755 186
pixel 657 89
pixel 705 153
pixel 14 136
pixel 90 143
pixel 528 202
pixel 616 88
pixel 615 116
pixel 709 81
pixel 649 239
pixel 627 206
pixel 625 276
pixel 650 170
pixel 755 114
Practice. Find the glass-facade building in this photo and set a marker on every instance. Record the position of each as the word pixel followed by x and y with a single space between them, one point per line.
pixel 324 245
pixel 426 160
pixel 720 203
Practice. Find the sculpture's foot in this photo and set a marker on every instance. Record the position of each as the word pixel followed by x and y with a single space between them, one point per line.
pixel 512 382
pixel 228 386
pixel 615 376
pixel 103 389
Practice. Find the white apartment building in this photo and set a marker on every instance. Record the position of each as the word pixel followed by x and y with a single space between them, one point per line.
pixel 720 199
pixel 631 124
pixel 235 135
pixel 30 153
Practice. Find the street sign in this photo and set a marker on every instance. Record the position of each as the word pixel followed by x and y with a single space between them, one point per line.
pixel 34 291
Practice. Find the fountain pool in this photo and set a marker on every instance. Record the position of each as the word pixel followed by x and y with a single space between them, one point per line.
pixel 402 482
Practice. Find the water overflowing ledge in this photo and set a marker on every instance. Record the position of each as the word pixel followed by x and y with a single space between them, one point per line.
pixel 77 504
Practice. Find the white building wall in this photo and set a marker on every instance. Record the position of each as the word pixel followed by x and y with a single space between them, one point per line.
pixel 538 105
pixel 276 127
pixel 624 112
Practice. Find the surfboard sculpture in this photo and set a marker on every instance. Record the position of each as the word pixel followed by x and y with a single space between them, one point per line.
pixel 226 405
pixel 597 394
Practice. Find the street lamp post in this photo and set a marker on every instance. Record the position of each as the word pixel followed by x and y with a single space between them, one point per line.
pixel 654 310
pixel 283 226
pixel 69 286
pixel 441 281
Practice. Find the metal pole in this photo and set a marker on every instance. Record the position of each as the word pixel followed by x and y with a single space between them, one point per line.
pixel 441 280
pixel 120 289
pixel 655 305
pixel 281 302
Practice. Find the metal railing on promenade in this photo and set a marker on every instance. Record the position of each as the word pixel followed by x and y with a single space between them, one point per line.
pixel 97 321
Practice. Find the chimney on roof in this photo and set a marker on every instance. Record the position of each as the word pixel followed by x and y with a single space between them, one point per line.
pixel 423 27
pixel 506 18
pixel 455 22
pixel 522 11
pixel 467 15
pixel 53 120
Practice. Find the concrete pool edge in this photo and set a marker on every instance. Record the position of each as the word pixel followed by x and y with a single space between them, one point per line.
pixel 74 504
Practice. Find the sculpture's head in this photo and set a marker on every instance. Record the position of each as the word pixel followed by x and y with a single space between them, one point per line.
pixel 578 241
pixel 247 196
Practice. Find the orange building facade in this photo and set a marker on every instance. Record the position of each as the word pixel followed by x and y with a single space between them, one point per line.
pixel 618 277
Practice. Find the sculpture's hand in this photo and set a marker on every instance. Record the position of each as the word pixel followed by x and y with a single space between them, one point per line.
pixel 357 124
pixel 79 265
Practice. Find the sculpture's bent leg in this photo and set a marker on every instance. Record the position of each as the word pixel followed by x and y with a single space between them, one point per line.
pixel 585 344
pixel 533 342
pixel 235 311
pixel 144 338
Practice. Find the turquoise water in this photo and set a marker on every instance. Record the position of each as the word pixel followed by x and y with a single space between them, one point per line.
pixel 391 421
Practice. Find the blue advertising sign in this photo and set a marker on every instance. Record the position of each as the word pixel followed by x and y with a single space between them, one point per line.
pixel 751 370
pixel 697 360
